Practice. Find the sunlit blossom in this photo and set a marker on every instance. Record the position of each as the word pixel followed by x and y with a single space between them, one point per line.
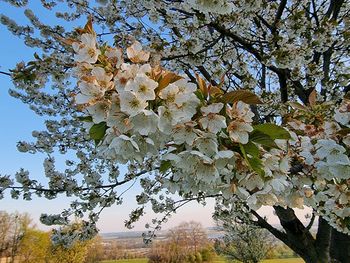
pixel 86 50
pixel 136 54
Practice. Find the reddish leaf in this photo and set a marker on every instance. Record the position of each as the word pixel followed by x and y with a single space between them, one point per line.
pixel 312 98
pixel 165 79
pixel 215 91
pixel 88 27
pixel 241 95
pixel 202 85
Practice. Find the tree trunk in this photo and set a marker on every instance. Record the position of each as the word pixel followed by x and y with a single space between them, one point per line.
pixel 299 238
pixel 322 242
pixel 329 245
pixel 340 247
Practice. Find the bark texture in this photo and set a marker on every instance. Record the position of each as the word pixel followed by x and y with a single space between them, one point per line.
pixel 327 246
pixel 340 247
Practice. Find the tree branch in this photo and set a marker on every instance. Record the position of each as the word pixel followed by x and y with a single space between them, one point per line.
pixel 334 9
pixel 207 75
pixel 300 238
pixel 340 247
pixel 39 189
pixel 192 78
pixel 247 46
pixel 283 87
pixel 5 73
pixel 314 13
pixel 312 220
pixel 279 13
pixel 264 224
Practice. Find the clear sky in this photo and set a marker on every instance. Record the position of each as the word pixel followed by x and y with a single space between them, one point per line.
pixel 17 123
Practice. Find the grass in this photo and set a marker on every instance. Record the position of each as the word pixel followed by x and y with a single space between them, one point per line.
pixel 218 260
pixel 134 260
pixel 277 260
pixel 284 260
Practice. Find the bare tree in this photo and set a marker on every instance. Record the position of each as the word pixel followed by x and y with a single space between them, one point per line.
pixel 5 228
pixel 189 234
pixel 12 229
pixel 185 243
pixel 95 250
pixel 20 225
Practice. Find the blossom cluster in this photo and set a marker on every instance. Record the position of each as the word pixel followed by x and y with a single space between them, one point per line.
pixel 322 145
pixel 204 140
pixel 145 111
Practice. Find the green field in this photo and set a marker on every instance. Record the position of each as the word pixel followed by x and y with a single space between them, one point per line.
pixel 144 260
pixel 284 260
pixel 136 260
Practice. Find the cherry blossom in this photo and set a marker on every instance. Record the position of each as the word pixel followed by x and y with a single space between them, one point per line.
pixel 86 50
pixel 136 54
pixel 244 101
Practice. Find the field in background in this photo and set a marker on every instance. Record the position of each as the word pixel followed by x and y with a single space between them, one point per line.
pixel 284 260
pixel 219 260
pixel 136 260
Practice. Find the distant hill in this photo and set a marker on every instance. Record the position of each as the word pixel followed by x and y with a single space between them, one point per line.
pixel 212 232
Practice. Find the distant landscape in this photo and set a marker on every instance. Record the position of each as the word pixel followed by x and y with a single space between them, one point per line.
pixel 133 244
pixel 217 260
pixel 188 242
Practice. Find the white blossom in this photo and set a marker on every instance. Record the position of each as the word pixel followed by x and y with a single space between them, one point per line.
pixel 136 54
pixel 145 122
pixel 143 87
pixel 86 50
pixel 212 120
pixel 99 111
pixel 131 104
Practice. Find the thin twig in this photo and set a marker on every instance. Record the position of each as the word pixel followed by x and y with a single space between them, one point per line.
pixel 311 221
pixel 5 73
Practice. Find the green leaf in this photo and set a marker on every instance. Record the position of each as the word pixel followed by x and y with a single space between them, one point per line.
pixel 273 130
pixel 256 165
pixel 37 56
pixel 164 166
pixel 262 138
pixel 251 149
pixel 199 95
pixel 251 154
pixel 241 95
pixel 98 131
pixel 85 118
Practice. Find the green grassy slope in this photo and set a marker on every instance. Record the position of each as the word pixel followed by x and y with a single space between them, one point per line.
pixel 144 260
